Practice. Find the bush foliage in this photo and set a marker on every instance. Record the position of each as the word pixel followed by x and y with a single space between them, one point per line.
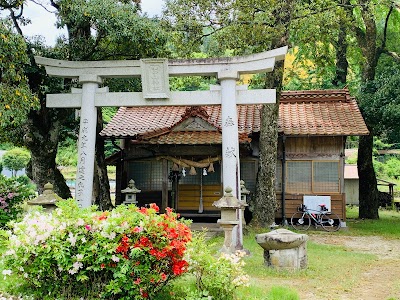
pixel 211 276
pixel 13 192
pixel 127 253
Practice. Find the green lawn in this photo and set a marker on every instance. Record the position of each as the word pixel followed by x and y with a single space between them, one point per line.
pixel 332 266
pixel 388 224
pixel 328 266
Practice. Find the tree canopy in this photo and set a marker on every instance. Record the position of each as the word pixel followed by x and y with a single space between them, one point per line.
pixel 15 159
pixel 16 99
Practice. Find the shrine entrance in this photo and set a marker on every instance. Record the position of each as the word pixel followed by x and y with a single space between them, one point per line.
pixel 155 75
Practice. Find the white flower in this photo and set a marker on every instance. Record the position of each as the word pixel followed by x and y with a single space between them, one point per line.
pixel 115 258
pixel 83 240
pixel 80 222
pixel 72 239
pixel 124 225
pixel 79 256
pixel 10 252
pixel 77 265
pixel 241 280
pixel 6 272
pixel 26 275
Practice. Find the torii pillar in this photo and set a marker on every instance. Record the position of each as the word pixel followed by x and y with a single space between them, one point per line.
pixel 230 134
pixel 87 140
pixel 155 77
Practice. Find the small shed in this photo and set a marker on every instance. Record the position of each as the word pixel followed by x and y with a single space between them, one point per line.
pixel 351 184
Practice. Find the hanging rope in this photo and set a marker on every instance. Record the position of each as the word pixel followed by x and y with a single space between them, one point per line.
pixel 187 163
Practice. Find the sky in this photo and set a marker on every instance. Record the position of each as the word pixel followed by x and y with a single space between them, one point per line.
pixel 43 21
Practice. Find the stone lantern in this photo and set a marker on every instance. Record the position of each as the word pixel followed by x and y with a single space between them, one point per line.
pixel 130 193
pixel 48 199
pixel 228 205
pixel 244 192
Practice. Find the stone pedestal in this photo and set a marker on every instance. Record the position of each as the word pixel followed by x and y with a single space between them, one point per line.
pixel 284 249
pixel 229 205
pixel 227 226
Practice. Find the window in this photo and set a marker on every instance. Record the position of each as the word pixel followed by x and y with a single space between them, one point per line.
pixel 146 174
pixel 312 176
pixel 326 176
pixel 248 173
pixel 298 176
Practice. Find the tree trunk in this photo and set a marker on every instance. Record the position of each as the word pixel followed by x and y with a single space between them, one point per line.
pixel 101 187
pixel 341 56
pixel 42 144
pixel 265 204
pixel 368 192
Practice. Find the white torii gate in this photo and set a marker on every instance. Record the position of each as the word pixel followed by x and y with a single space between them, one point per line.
pixel 155 76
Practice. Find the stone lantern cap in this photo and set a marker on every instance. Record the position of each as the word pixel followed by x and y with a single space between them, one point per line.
pixel 228 200
pixel 131 189
pixel 280 239
pixel 47 198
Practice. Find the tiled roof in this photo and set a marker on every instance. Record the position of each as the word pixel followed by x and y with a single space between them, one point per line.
pixel 328 112
pixel 325 112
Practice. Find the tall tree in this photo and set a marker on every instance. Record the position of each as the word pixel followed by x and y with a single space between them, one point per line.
pixel 265 201
pixel 351 53
pixel 96 30
pixel 372 45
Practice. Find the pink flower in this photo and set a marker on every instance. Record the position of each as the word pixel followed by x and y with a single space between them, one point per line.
pixel 137 281
pixel 115 258
pixel 88 227
pixel 138 229
pixel 163 276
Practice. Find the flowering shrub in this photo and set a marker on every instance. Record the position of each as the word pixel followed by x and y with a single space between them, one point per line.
pixel 127 253
pixel 12 193
pixel 216 276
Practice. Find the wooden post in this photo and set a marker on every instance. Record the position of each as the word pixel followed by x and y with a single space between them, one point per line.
pixel 164 198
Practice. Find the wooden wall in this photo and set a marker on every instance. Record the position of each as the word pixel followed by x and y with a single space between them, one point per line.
pixel 315 147
pixel 293 201
pixel 189 196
